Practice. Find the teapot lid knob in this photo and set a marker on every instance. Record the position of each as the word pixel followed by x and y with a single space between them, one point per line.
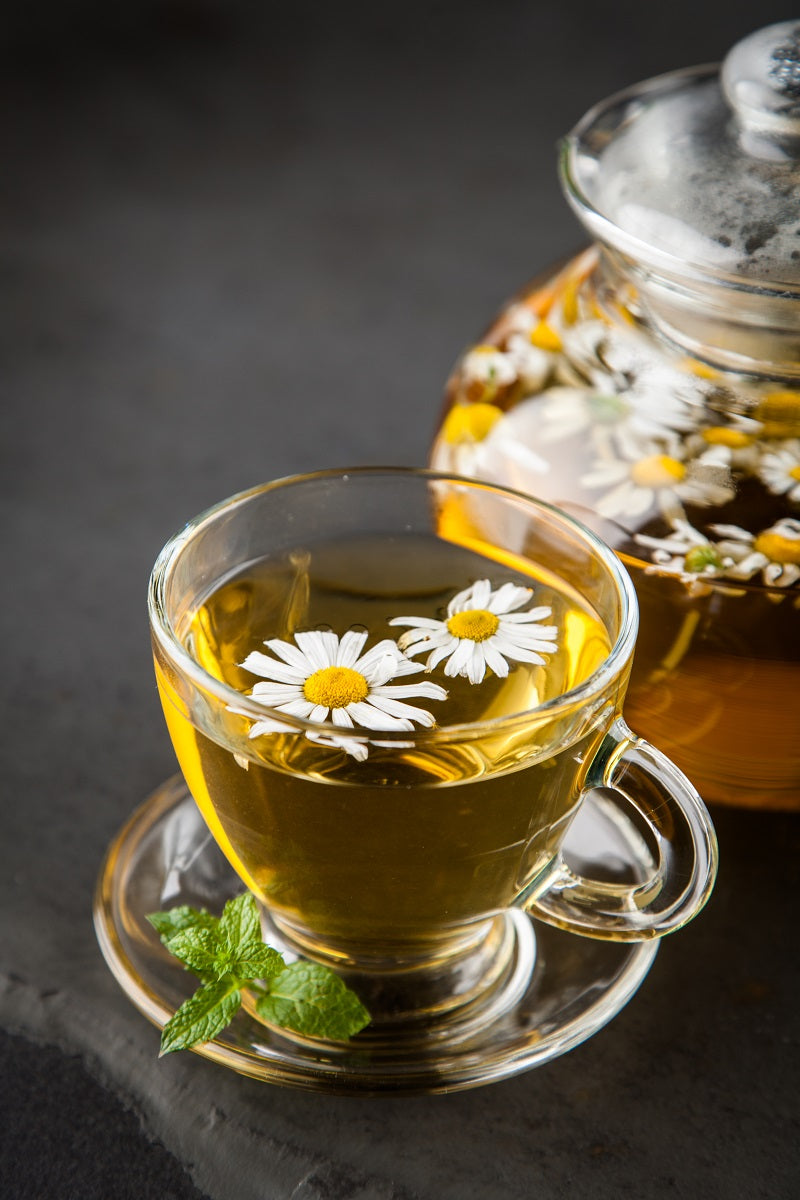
pixel 761 80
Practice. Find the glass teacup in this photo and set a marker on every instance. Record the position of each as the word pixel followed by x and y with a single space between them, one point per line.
pixel 390 692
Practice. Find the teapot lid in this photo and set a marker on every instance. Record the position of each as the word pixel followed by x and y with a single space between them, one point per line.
pixel 698 172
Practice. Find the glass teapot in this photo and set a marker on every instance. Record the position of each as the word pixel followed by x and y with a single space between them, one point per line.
pixel 652 386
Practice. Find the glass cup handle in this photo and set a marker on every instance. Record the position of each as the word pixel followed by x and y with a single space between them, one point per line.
pixel 681 861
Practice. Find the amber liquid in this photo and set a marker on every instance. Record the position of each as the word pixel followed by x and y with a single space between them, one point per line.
pixel 716 676
pixel 715 685
pixel 415 841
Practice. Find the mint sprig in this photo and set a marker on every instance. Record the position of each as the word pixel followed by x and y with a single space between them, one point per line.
pixel 227 954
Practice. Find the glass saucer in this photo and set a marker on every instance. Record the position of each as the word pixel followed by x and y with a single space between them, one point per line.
pixel 564 987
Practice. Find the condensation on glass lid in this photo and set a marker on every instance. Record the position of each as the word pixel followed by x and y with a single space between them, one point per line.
pixel 702 165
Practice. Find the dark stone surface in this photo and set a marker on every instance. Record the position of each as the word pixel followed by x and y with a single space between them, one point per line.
pixel 63 1135
pixel 239 242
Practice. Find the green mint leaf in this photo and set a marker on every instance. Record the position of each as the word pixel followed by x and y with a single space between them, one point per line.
pixel 202 1016
pixel 239 923
pixel 256 960
pixel 167 924
pixel 226 953
pixel 311 999
pixel 199 950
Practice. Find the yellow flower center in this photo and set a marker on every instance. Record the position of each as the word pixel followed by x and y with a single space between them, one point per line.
pixel 477 624
pixel 335 687
pixel 794 473
pixel 469 422
pixel 777 548
pixel 780 413
pixel 545 337
pixel 722 436
pixel 656 471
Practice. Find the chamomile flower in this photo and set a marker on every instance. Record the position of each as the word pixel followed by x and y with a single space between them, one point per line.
pixel 627 389
pixel 322 677
pixel 481 440
pixel 687 554
pixel 731 445
pixel 775 552
pixel 780 470
pixel 485 372
pixel 482 629
pixel 644 476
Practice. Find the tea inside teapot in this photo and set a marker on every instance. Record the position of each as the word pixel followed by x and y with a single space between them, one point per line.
pixel 652 386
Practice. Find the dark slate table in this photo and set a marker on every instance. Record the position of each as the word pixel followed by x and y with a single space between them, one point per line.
pixel 240 242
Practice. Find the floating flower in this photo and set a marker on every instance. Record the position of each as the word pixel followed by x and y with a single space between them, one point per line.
pixel 687 554
pixel 780 470
pixel 732 445
pixel 629 387
pixel 485 372
pixel 322 677
pixel 775 552
pixel 482 629
pixel 645 475
pixel 481 440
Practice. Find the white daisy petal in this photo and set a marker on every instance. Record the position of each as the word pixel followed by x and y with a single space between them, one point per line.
pixel 382 669
pixel 417 622
pixel 410 643
pixel 314 645
pixel 732 531
pixel 272 668
pixel 350 647
pixel 340 716
pixel 405 666
pixel 297 708
pixel 457 664
pixel 456 603
pixel 432 690
pixel 402 712
pixel 276 693
pixel 519 654
pixel 481 594
pixel 412 636
pixel 371 717
pixel 476 665
pixel 378 659
pixel 495 660
pixel 446 647
pixel 535 614
pixel 290 654
pixel 507 598
pixel 529 636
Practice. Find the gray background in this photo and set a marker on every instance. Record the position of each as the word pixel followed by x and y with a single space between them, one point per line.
pixel 237 242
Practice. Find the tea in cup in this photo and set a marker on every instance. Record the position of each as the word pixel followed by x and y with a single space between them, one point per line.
pixel 390 692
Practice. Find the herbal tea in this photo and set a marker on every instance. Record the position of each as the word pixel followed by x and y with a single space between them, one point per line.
pixel 390 843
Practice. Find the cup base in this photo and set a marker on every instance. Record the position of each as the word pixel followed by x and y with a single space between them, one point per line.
pixel 480 980
pixel 519 994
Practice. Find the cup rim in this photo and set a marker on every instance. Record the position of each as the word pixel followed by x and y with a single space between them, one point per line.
pixel 165 634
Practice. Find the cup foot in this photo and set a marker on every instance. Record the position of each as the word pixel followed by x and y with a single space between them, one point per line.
pixel 483 977
pixel 522 994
